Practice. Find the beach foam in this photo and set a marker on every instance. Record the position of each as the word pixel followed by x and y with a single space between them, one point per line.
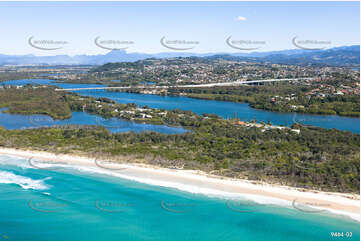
pixel 201 186
pixel 24 182
pixel 14 161
pixel 259 199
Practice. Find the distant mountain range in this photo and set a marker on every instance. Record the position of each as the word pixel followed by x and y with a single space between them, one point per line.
pixel 340 56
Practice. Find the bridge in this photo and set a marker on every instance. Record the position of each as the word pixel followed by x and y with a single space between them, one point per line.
pixel 219 84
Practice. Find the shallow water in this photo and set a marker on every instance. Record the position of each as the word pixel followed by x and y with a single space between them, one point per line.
pixel 72 204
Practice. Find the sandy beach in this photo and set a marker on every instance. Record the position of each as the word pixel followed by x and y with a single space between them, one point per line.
pixel 200 182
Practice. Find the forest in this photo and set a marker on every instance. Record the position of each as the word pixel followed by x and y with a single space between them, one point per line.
pixel 315 158
pixel 288 97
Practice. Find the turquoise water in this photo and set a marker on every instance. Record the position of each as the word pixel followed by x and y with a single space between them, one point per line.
pixel 224 109
pixel 70 204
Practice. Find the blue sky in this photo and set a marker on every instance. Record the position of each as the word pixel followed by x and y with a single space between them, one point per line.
pixel 145 23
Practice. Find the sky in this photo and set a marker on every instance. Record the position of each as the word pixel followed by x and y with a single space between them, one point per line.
pixel 206 26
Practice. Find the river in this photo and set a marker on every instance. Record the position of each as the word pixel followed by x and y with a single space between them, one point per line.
pixel 224 109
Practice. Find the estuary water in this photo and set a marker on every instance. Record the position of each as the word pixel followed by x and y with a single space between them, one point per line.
pixel 221 108
pixel 72 203
pixel 114 125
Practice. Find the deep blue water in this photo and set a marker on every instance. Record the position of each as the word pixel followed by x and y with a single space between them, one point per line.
pixel 229 109
pixel 14 121
pixel 17 121
pixel 221 108
pixel 69 204
pixel 148 83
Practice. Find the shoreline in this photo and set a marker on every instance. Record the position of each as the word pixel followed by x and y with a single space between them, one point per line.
pixel 202 183
pixel 249 104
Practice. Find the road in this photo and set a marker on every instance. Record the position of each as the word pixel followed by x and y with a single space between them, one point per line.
pixel 219 84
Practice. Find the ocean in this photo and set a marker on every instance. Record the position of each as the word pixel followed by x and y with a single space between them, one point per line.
pixel 73 203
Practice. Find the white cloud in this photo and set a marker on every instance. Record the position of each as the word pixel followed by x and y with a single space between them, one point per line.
pixel 241 18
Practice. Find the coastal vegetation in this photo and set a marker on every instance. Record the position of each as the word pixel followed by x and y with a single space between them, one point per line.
pixel 316 158
pixel 34 100
pixel 330 90
pixel 279 98
pixel 311 158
